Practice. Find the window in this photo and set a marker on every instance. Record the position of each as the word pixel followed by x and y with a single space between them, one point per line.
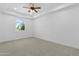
pixel 20 26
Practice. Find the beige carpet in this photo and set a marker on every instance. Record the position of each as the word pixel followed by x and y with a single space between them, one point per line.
pixel 35 47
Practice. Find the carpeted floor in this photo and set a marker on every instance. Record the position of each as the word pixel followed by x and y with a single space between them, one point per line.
pixel 35 47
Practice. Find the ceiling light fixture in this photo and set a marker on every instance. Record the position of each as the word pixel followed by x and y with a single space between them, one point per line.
pixel 15 8
pixel 32 8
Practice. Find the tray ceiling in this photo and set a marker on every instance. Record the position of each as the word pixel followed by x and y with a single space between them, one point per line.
pixel 17 8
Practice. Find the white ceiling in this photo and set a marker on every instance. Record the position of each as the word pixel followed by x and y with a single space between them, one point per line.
pixel 16 9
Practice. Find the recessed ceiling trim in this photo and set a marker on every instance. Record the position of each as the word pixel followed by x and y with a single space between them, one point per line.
pixel 12 12
pixel 54 10
pixel 14 15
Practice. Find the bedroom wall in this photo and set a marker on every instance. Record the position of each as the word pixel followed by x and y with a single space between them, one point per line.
pixel 8 28
pixel 60 27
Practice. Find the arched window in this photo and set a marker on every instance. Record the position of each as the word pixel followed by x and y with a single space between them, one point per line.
pixel 20 26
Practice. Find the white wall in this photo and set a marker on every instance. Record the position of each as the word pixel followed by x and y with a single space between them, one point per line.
pixel 8 28
pixel 60 27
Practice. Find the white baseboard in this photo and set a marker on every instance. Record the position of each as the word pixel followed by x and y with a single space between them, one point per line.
pixel 58 42
pixel 12 39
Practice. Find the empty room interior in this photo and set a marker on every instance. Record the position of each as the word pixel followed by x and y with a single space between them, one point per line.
pixel 39 29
